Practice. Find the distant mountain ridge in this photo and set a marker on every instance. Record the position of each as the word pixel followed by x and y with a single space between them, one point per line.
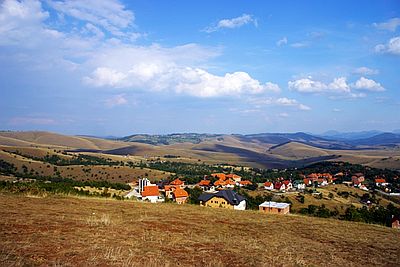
pixel 330 140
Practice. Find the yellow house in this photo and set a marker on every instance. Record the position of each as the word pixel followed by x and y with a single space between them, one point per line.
pixel 227 199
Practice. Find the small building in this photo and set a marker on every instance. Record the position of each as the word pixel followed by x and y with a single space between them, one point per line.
pixel 274 207
pixel 396 222
pixel 219 176
pixel 244 183
pixel 151 193
pixel 205 185
pixel 227 199
pixel 279 186
pixel 177 182
pixel 381 182
pixel 268 186
pixel 288 185
pixel 180 195
pixel 299 185
pixel 234 177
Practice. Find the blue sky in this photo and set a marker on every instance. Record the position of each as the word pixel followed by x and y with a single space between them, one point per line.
pixel 123 67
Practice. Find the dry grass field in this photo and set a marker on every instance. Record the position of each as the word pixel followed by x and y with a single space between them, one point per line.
pixel 122 174
pixel 66 231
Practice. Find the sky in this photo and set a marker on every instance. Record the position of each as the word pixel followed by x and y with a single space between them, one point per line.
pixel 124 67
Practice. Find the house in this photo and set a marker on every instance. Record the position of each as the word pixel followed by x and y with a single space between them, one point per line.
pixel 223 199
pixel 180 195
pixel 219 176
pixel 357 179
pixel 225 184
pixel 299 185
pixel 395 222
pixel 279 186
pixel 288 185
pixel 177 182
pixel 307 182
pixel 168 191
pixel 234 177
pixel 381 182
pixel 205 185
pixel 274 207
pixel 244 183
pixel 268 186
pixel 322 182
pixel 151 193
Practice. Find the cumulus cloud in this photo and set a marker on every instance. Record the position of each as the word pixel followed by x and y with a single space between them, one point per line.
pixel 307 85
pixel 282 41
pixel 392 47
pixel 365 71
pixel 390 25
pixel 368 84
pixel 111 62
pixel 182 80
pixel 338 86
pixel 232 23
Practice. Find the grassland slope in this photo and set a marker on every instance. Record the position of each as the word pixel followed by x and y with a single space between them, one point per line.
pixel 75 231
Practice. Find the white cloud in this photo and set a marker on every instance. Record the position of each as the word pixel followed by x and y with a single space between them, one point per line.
pixel 307 85
pixel 112 62
pixel 390 25
pixel 336 110
pixel 365 71
pixel 338 86
pixel 232 23
pixel 282 41
pixel 368 84
pixel 282 101
pixel 116 100
pixel 392 47
pixel 108 14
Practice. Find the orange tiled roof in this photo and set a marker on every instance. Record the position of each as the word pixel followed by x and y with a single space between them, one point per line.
pixel 177 182
pixel 233 176
pixel 380 180
pixel 286 182
pixel 220 176
pixel 204 182
pixel 180 193
pixel 219 182
pixel 168 187
pixel 268 184
pixel 230 182
pixel 149 191
pixel 245 182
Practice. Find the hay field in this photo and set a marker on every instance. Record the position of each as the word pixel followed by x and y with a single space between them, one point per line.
pixel 66 231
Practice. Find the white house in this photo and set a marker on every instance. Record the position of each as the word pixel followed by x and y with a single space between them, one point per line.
pixel 268 186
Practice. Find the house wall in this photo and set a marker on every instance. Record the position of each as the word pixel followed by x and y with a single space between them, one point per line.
pixel 152 199
pixel 240 206
pixel 218 202
pixel 396 224
pixel 181 200
pixel 274 210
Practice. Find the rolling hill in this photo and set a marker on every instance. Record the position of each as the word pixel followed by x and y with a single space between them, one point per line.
pixel 275 150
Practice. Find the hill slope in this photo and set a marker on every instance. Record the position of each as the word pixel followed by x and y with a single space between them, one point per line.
pixel 73 231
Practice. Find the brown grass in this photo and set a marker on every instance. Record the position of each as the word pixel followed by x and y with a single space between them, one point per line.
pixel 80 232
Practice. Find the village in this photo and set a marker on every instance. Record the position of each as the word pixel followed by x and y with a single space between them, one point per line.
pixel 219 190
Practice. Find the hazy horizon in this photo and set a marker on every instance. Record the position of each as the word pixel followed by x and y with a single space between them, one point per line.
pixel 123 67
